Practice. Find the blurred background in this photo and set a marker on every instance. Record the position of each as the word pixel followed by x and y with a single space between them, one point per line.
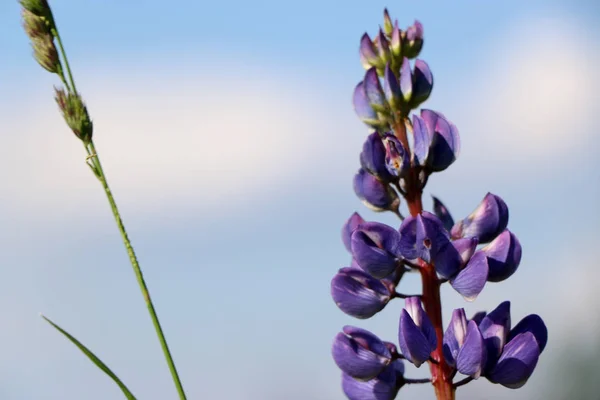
pixel 227 133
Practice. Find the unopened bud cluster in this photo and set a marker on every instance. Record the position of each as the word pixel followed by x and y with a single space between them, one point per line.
pixel 396 159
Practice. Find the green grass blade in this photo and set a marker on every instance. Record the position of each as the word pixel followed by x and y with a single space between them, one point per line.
pixel 94 359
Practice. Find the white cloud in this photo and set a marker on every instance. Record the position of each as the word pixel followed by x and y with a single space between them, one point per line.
pixel 535 95
pixel 204 138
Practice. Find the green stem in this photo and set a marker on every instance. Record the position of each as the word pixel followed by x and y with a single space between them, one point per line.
pixel 138 272
pixel 65 59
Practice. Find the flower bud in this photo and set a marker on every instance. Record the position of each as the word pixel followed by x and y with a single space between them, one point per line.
pixel 416 337
pixel 396 42
pixel 362 107
pixel 374 91
pixel 463 345
pixel 375 247
pixel 383 47
pixel 75 114
pixel 375 194
pixel 440 210
pixel 383 387
pixel 469 282
pixel 413 40
pixel 373 158
pixel 391 88
pixel 503 256
pixel 349 227
pixel 388 27
pixel 422 83
pixel 358 294
pixel 359 353
pixel 486 222
pixel 368 53
pixel 397 160
pixel 406 81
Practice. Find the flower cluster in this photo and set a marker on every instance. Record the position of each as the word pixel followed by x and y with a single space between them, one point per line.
pixel 396 160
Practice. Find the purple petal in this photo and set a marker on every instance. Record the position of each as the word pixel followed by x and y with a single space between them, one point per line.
pixel 504 256
pixel 430 236
pixel 486 222
pixel 454 336
pixel 349 227
pixel 391 87
pixel 359 353
pixel 470 281
pixel 406 85
pixel 422 140
pixel 466 248
pixel 408 238
pixel 445 142
pixel 494 328
pixel 415 309
pixel 440 210
pixel 532 323
pixel 517 362
pixel 415 347
pixel 383 47
pixel 373 88
pixel 383 387
pixel 448 260
pixel 472 356
pixel 478 317
pixel 358 294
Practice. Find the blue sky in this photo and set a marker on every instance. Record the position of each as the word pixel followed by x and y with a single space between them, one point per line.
pixel 227 133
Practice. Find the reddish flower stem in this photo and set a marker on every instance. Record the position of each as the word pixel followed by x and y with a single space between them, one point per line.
pixel 441 372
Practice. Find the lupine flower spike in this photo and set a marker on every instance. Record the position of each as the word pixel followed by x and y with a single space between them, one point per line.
pixel 402 149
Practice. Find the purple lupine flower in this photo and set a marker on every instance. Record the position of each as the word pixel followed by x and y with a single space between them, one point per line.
pixel 486 222
pixel 436 141
pixel 397 158
pixel 469 281
pixel 359 353
pixel 519 356
pixel 373 157
pixel 466 248
pixel 441 211
pixel 424 237
pixel 383 387
pixel 375 247
pixel 363 108
pixel 464 347
pixel 413 42
pixel 375 194
pixel 383 47
pixel 503 256
pixel 349 227
pixel 416 334
pixel 422 83
pixel 358 294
